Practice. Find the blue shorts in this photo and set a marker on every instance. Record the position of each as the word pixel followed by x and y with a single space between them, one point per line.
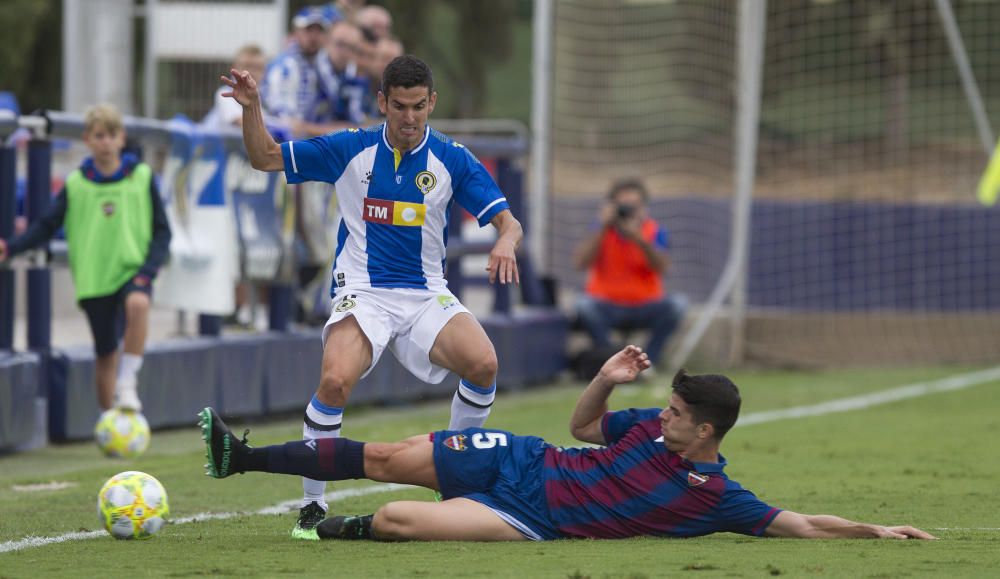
pixel 499 470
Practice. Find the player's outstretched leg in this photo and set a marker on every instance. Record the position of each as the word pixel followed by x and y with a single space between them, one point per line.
pixel 226 454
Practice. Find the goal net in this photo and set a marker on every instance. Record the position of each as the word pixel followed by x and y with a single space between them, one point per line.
pixel 866 244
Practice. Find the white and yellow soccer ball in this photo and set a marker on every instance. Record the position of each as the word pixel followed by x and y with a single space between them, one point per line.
pixel 122 433
pixel 132 505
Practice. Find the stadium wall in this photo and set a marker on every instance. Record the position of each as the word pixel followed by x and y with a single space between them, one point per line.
pixel 832 283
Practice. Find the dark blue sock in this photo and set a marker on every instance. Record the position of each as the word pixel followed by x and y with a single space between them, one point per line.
pixel 319 459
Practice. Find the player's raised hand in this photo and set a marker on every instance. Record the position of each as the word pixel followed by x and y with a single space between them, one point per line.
pixel 243 88
pixel 503 263
pixel 625 365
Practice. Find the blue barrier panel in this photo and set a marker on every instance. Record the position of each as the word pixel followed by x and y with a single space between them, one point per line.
pixel 178 378
pixel 395 385
pixel 240 385
pixel 822 256
pixel 851 256
pixel 530 346
pixel 18 386
pixel 73 407
pixel 291 369
pixel 8 211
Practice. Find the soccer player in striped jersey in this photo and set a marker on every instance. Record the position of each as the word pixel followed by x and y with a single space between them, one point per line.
pixel 396 183
pixel 657 473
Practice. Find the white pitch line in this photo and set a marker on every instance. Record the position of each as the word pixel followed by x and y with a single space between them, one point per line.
pixel 949 384
pixel 280 508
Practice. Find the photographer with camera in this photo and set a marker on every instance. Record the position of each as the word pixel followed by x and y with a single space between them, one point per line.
pixel 626 259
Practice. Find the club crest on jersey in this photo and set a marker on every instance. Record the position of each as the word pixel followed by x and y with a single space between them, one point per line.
pixel 108 209
pixel 456 442
pixel 695 479
pixel 346 304
pixel 393 212
pixel 425 181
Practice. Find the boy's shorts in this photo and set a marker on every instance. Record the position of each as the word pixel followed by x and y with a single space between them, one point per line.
pixel 106 315
pixel 406 320
pixel 497 469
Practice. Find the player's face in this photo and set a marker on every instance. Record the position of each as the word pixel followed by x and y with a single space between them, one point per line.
pixel 104 144
pixel 406 111
pixel 345 45
pixel 632 198
pixel 677 425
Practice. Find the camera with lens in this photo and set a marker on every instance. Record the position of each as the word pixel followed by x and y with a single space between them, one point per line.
pixel 624 211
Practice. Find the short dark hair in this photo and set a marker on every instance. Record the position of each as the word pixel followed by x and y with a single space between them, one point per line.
pixel 628 185
pixel 713 398
pixel 407 71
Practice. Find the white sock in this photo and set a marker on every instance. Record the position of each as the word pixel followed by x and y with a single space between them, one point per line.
pixel 128 367
pixel 321 421
pixel 471 405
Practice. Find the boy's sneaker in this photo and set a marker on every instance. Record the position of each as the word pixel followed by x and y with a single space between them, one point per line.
pixel 226 454
pixel 346 528
pixel 309 518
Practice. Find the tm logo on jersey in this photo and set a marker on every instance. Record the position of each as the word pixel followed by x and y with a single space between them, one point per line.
pixel 393 212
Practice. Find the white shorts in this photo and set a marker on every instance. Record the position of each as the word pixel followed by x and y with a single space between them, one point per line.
pixel 407 320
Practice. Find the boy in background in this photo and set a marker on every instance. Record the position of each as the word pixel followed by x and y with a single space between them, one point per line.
pixel 118 237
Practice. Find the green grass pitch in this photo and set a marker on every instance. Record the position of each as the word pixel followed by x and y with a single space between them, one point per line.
pixel 929 461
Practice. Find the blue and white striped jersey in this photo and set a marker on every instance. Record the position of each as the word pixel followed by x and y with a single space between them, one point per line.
pixel 394 208
pixel 291 87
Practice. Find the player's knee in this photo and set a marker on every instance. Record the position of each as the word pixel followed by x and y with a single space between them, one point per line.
pixel 483 369
pixel 335 387
pixel 137 304
pixel 390 521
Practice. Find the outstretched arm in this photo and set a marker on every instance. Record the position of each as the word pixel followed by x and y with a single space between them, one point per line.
pixel 795 525
pixel 264 152
pixel 38 232
pixel 503 257
pixel 585 425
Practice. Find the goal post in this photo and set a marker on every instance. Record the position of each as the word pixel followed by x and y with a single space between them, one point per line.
pixel 815 161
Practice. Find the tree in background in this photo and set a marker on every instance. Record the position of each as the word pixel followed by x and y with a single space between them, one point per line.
pixel 30 53
pixel 461 40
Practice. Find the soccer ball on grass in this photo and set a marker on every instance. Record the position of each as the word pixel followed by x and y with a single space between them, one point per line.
pixel 122 433
pixel 132 505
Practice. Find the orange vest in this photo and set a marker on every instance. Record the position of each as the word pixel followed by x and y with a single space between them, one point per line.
pixel 620 272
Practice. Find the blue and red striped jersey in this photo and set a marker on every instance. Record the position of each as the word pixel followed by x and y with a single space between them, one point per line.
pixel 636 486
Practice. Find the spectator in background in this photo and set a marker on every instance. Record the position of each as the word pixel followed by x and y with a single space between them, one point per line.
pixel 377 19
pixel 118 237
pixel 291 89
pixel 347 8
pixel 386 50
pixel 339 79
pixel 225 111
pixel 626 259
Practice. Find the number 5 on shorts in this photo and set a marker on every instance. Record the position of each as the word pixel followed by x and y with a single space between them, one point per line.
pixel 489 439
